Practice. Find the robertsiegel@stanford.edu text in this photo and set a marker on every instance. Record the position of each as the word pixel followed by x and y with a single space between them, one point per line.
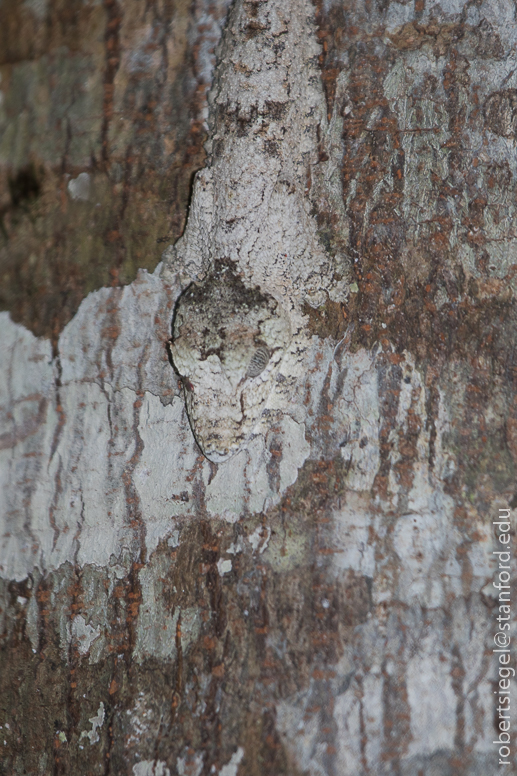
pixel 501 583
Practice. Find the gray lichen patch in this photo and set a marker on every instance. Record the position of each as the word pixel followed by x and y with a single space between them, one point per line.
pixel 161 626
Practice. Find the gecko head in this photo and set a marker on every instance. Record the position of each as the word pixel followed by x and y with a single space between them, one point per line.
pixel 228 341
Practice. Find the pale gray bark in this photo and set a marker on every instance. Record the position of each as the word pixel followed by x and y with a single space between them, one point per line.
pixel 320 603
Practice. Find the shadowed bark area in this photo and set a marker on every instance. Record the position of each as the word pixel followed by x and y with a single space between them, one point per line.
pixel 322 603
pixel 101 129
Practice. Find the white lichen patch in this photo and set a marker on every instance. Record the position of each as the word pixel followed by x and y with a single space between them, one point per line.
pixel 224 566
pixel 259 539
pixel 231 767
pixel 170 495
pixel 160 642
pixel 151 768
pixel 97 722
pixel 27 419
pixel 352 526
pixel 84 634
pixel 250 472
pixel 190 765
pixel 357 408
pixel 236 547
pixel 79 188
pixel 283 552
pixel 432 724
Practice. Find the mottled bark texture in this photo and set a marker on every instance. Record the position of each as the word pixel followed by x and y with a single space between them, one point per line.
pixel 114 92
pixel 321 603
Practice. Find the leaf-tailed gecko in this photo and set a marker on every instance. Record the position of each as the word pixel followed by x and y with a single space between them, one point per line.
pixel 250 250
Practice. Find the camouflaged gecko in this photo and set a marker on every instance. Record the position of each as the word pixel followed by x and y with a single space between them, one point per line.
pixel 250 245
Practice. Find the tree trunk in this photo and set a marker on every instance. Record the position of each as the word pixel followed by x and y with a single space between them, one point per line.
pixel 317 595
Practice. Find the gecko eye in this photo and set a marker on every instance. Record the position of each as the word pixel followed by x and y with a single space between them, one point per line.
pixel 258 361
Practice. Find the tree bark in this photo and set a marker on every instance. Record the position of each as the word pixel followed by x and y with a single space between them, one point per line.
pixel 323 601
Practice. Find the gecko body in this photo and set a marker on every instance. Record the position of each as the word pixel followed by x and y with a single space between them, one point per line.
pixel 250 248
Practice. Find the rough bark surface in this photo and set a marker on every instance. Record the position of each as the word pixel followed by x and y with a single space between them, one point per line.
pixel 320 603
pixel 102 124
